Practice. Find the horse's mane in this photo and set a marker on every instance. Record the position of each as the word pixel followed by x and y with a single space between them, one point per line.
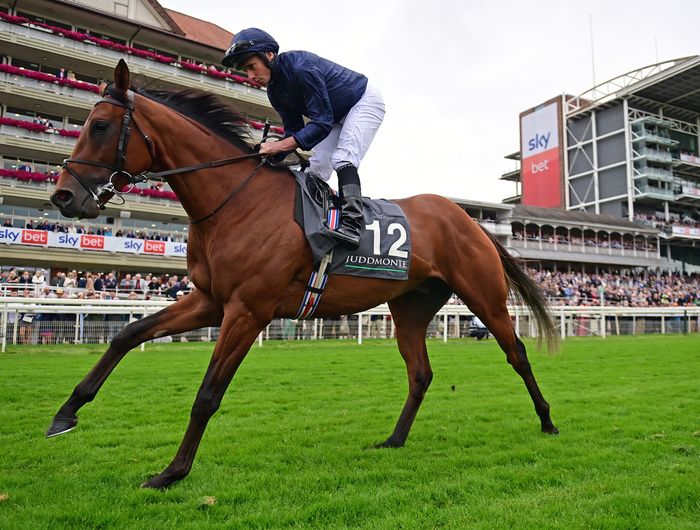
pixel 210 110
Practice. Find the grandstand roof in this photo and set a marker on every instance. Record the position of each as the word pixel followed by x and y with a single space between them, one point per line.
pixel 672 85
pixel 532 213
pixel 201 31
pixel 166 16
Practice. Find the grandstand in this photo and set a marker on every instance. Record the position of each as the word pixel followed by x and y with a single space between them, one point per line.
pixel 54 54
pixel 627 148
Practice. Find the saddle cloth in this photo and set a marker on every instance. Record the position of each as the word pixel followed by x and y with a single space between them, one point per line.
pixel 385 241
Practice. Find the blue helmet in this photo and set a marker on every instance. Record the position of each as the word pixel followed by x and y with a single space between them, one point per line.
pixel 247 42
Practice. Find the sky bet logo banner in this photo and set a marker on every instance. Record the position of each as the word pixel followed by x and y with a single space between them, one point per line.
pixel 539 152
pixel 34 238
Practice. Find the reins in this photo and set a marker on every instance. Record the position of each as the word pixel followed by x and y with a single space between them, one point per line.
pixel 236 189
pixel 197 167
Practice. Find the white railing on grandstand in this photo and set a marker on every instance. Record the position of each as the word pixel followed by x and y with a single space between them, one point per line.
pixel 87 97
pixel 51 321
pixel 582 248
pixel 45 137
pixel 656 154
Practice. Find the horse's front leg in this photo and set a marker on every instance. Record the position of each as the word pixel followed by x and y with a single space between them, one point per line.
pixel 238 332
pixel 194 311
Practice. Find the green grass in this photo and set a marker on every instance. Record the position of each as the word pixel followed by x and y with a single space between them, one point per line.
pixel 286 449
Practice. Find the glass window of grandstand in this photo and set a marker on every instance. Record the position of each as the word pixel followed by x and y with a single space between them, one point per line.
pixel 42 20
pixel 33 116
pixel 20 217
pixel 36 166
pixel 100 35
pixel 74 125
pixel 687 144
pixel 148 48
pixel 35 67
pixel 53 70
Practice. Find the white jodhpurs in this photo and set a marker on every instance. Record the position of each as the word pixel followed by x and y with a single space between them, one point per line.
pixel 350 139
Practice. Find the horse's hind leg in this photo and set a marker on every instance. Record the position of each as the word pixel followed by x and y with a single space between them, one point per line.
pixel 412 312
pixel 194 311
pixel 499 323
pixel 486 297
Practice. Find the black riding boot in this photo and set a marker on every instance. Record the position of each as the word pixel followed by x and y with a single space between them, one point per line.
pixel 351 217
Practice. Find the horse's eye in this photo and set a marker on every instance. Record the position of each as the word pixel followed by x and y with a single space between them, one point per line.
pixel 100 126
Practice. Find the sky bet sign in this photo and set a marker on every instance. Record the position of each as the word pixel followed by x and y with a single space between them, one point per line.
pixel 35 238
pixel 540 156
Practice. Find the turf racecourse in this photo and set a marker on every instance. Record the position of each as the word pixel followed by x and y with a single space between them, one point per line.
pixel 286 448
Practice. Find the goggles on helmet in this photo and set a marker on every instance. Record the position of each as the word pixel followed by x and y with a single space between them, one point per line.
pixel 240 46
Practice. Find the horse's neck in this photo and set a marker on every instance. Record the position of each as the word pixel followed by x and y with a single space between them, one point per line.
pixel 183 143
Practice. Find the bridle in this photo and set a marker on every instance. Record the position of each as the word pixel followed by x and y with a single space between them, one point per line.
pixel 117 169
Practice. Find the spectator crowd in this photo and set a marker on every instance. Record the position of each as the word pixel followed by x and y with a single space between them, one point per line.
pixel 647 289
pixel 661 223
pixel 626 288
pixel 97 285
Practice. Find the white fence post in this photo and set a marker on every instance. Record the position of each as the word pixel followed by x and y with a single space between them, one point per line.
pixel 602 324
pixel 359 327
pixel 76 330
pixel 444 327
pixel 3 323
pixel 14 328
pixel 562 324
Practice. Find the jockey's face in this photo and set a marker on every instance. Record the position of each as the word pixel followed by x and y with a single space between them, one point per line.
pixel 257 70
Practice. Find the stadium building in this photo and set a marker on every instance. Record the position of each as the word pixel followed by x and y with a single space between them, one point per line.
pixel 628 149
pixel 54 54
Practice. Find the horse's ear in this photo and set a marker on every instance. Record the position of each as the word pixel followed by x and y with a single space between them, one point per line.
pixel 102 88
pixel 121 76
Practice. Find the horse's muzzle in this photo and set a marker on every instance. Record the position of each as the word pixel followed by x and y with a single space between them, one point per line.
pixel 70 206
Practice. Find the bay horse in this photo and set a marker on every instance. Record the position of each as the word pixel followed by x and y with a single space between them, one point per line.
pixel 249 266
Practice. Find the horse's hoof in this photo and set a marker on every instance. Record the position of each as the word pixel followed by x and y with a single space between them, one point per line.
pixel 61 425
pixel 160 481
pixel 155 483
pixel 385 444
pixel 550 430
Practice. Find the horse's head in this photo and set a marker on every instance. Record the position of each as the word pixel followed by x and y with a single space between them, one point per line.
pixel 104 160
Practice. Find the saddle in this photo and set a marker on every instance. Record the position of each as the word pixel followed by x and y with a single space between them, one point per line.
pixel 385 241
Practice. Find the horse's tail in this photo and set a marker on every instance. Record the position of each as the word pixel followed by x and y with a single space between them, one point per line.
pixel 527 292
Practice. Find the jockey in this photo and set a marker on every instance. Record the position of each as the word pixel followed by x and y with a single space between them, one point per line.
pixel 343 111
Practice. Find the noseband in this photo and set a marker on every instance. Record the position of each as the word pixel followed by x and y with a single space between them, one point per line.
pixel 117 168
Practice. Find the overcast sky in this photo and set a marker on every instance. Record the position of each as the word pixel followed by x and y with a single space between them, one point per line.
pixel 456 74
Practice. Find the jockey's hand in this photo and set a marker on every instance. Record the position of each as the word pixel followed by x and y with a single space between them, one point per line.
pixel 275 148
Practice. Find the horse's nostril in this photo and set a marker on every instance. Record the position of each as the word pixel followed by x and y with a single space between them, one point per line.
pixel 62 197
